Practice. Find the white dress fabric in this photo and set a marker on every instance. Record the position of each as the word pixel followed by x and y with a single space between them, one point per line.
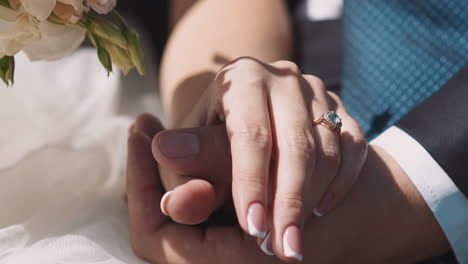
pixel 62 163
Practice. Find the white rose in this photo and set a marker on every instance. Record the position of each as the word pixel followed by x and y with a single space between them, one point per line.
pixel 102 6
pixel 41 10
pixel 39 40
pixel 16 31
pixel 70 10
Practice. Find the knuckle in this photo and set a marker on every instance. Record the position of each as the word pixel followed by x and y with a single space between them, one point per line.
pixel 291 82
pixel 361 145
pixel 290 201
pixel 335 101
pixel 330 154
pixel 288 65
pixel 314 81
pixel 253 134
pixel 359 141
pixel 240 64
pixel 248 70
pixel 301 143
pixel 334 96
pixel 248 179
pixel 246 64
pixel 252 184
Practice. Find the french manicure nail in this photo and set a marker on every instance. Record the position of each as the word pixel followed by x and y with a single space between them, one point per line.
pixel 179 145
pixel 292 243
pixel 164 202
pixel 317 213
pixel 266 245
pixel 256 220
pixel 324 204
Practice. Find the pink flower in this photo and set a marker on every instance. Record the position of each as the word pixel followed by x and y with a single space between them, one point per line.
pixel 71 14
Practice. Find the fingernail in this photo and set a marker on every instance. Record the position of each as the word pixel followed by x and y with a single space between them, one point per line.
pixel 317 213
pixel 164 202
pixel 324 204
pixel 292 243
pixel 266 245
pixel 179 144
pixel 256 220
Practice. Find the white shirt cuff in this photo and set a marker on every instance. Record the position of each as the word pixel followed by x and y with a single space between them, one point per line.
pixel 447 202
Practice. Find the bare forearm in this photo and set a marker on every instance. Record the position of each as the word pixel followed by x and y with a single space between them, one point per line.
pixel 384 220
pixel 212 33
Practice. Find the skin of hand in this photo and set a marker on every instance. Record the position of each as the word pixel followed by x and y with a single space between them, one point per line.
pixel 382 220
pixel 282 166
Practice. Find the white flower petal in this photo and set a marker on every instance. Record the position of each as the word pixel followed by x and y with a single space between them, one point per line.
pixel 15 35
pixel 102 6
pixel 40 9
pixel 8 14
pixel 57 42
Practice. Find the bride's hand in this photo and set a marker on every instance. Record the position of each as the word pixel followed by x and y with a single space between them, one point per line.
pixel 283 167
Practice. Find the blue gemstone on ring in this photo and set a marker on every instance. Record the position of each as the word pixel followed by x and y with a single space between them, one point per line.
pixel 334 119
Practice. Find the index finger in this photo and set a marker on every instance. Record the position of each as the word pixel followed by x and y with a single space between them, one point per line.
pixel 244 102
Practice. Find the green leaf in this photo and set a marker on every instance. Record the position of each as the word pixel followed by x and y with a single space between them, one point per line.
pixel 105 59
pixel 106 30
pixel 7 70
pixel 120 19
pixel 119 56
pixel 103 55
pixel 54 19
pixel 5 3
pixel 135 49
pixel 11 71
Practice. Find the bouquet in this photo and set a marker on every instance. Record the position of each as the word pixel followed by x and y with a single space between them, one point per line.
pixel 52 29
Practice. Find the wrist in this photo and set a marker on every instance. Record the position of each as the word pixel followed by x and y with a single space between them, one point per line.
pixel 382 220
pixel 419 235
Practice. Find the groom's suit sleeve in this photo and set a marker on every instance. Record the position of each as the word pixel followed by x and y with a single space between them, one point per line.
pixel 440 124
pixel 431 145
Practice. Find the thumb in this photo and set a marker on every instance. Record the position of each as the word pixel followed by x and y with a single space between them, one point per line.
pixel 196 165
pixel 202 153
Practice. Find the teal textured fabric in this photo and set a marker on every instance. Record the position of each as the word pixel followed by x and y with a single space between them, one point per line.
pixel 397 54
